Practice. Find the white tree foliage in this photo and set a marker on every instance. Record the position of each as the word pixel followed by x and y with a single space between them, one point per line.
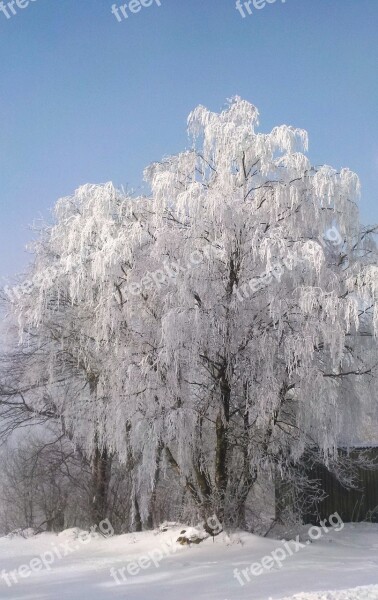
pixel 194 340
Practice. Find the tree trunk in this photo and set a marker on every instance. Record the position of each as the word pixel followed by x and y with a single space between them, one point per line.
pixel 137 517
pixel 149 524
pixel 222 447
pixel 101 467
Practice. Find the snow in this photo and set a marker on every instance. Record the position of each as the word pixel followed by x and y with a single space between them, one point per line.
pixel 362 593
pixel 342 565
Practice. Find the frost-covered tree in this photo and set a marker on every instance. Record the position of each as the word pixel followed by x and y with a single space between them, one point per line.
pixel 70 311
pixel 216 330
pixel 260 352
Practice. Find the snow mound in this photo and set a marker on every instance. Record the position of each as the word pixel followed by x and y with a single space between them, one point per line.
pixel 192 535
pixel 369 592
pixel 21 533
pixel 72 533
pixel 168 525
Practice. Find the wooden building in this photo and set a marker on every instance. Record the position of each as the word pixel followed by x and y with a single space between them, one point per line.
pixel 352 504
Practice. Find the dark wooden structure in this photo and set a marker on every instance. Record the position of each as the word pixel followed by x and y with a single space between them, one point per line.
pixel 352 504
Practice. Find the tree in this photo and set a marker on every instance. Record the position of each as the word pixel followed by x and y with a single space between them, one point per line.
pixel 216 330
pixel 67 310
pixel 262 318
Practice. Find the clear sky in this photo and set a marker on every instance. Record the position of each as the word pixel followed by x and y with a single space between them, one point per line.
pixel 86 98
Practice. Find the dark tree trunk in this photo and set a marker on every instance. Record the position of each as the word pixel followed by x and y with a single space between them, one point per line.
pixel 222 446
pixel 137 519
pixel 101 468
pixel 149 524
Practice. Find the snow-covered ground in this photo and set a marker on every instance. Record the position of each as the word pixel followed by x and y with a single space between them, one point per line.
pixel 160 569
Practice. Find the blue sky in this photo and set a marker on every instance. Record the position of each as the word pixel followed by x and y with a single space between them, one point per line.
pixel 85 98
